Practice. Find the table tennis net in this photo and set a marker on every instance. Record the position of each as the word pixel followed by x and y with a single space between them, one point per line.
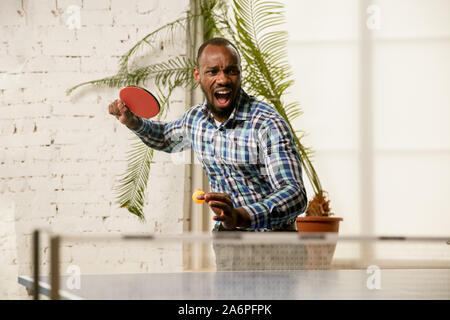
pixel 267 251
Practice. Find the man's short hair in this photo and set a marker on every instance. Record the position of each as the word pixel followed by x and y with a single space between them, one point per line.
pixel 216 42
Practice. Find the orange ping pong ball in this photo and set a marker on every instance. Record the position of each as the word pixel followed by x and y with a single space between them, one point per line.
pixel 196 193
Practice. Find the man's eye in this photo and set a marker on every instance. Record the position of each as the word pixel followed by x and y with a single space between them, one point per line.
pixel 233 71
pixel 211 72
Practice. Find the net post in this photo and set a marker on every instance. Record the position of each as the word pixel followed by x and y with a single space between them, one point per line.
pixel 54 267
pixel 35 260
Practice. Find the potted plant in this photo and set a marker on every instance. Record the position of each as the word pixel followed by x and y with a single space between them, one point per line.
pixel 251 26
pixel 317 217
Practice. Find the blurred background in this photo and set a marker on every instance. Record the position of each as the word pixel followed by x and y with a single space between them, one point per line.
pixel 373 78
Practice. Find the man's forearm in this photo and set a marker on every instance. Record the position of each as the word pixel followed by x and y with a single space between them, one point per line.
pixel 162 136
pixel 278 208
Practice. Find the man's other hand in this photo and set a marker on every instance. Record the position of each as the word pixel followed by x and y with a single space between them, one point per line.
pixel 225 212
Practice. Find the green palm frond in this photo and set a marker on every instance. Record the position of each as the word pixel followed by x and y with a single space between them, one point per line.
pixel 212 12
pixel 177 70
pixel 292 110
pixel 264 51
pixel 130 192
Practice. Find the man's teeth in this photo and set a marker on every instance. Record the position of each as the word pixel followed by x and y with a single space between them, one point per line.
pixel 223 92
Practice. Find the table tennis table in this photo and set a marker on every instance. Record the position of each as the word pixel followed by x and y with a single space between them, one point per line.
pixel 256 285
pixel 254 279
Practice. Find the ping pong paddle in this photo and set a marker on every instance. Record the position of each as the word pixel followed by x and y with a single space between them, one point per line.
pixel 140 101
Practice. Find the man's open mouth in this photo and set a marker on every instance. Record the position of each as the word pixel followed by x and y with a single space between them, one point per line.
pixel 223 97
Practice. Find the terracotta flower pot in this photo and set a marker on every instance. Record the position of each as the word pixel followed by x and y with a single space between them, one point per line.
pixel 318 224
pixel 320 256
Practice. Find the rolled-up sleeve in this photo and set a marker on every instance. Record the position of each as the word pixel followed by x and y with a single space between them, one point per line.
pixel 284 171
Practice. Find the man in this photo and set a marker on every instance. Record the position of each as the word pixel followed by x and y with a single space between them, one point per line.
pixel 246 148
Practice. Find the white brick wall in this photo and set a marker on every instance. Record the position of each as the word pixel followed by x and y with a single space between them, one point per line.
pixel 9 263
pixel 60 156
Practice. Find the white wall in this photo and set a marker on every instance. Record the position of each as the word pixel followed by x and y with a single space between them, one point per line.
pixel 60 156
pixel 410 110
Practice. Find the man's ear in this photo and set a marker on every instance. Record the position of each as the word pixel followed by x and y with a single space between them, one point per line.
pixel 197 75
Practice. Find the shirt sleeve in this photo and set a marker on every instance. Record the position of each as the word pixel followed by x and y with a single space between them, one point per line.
pixel 283 168
pixel 164 136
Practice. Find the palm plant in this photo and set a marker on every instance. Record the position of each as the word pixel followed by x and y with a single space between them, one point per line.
pixel 266 73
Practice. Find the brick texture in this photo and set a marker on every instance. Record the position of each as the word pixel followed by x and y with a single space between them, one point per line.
pixel 60 156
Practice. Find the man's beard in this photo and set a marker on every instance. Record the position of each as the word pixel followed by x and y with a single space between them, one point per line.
pixel 219 113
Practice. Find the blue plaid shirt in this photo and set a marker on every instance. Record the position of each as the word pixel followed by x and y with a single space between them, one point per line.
pixel 252 157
